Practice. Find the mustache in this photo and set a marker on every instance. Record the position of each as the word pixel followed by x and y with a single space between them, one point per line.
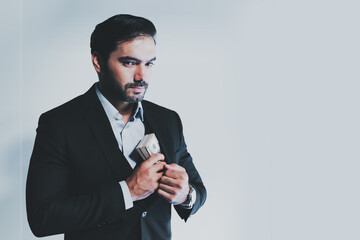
pixel 136 84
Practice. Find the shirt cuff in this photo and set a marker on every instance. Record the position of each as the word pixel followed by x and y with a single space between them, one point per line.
pixel 127 196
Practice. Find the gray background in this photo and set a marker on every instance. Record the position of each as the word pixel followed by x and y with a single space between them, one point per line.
pixel 267 91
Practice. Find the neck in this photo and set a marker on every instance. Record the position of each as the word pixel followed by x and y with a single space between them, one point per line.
pixel 124 108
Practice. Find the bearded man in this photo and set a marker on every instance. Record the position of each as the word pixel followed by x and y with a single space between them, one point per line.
pixel 85 178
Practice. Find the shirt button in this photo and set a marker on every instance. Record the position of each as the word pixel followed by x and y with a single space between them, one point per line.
pixel 144 214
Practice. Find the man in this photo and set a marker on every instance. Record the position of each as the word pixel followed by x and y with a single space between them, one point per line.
pixel 85 178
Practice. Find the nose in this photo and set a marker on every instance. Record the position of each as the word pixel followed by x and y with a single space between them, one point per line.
pixel 140 73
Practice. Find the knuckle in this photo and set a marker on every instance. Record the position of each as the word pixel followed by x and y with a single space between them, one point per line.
pixel 147 172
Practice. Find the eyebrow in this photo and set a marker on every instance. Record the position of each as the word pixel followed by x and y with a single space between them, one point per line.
pixel 128 58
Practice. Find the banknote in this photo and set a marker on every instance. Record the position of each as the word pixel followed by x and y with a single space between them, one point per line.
pixel 148 146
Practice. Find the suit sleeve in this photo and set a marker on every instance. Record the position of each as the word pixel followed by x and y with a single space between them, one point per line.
pixel 186 161
pixel 52 207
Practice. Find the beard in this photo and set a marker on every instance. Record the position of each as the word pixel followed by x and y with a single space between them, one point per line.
pixel 123 93
pixel 135 97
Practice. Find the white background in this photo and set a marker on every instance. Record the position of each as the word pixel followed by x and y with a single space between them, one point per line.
pixel 267 91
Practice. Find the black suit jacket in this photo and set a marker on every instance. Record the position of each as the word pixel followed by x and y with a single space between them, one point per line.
pixel 75 169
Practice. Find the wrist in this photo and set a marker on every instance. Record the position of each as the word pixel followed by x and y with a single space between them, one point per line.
pixel 130 185
pixel 190 200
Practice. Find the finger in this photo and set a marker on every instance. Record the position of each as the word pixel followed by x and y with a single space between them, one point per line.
pixel 165 195
pixel 168 181
pixel 155 158
pixel 173 166
pixel 168 189
pixel 158 175
pixel 175 171
pixel 158 167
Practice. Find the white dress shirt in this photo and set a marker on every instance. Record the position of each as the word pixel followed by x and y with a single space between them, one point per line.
pixel 128 136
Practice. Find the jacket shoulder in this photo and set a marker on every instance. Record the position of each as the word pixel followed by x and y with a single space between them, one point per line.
pixel 64 110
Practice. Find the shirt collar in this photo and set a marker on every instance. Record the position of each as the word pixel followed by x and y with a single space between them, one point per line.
pixel 113 113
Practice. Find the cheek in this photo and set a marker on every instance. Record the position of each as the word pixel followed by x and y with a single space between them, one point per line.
pixel 123 76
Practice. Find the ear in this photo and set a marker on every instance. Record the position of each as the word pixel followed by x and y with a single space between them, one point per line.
pixel 96 60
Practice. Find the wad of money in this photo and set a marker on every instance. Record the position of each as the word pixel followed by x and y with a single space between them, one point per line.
pixel 148 146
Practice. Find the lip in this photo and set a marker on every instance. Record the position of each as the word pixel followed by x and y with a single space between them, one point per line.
pixel 138 89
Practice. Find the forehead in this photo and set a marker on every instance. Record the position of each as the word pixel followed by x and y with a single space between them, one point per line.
pixel 140 47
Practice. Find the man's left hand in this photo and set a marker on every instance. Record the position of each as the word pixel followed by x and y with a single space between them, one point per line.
pixel 174 184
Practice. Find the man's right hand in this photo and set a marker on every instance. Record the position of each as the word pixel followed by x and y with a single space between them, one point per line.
pixel 144 180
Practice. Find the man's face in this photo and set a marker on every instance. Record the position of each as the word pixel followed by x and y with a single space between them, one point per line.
pixel 128 70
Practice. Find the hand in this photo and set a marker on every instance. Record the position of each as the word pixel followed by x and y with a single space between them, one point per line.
pixel 174 184
pixel 144 180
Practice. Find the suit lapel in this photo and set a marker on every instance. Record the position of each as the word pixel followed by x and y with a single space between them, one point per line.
pixel 101 128
pixel 153 125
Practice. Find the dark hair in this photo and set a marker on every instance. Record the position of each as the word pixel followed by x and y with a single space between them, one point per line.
pixel 117 29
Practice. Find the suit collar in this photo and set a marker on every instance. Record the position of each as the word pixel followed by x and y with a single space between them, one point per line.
pixel 101 128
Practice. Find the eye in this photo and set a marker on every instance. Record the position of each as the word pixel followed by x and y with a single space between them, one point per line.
pixel 149 64
pixel 129 63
